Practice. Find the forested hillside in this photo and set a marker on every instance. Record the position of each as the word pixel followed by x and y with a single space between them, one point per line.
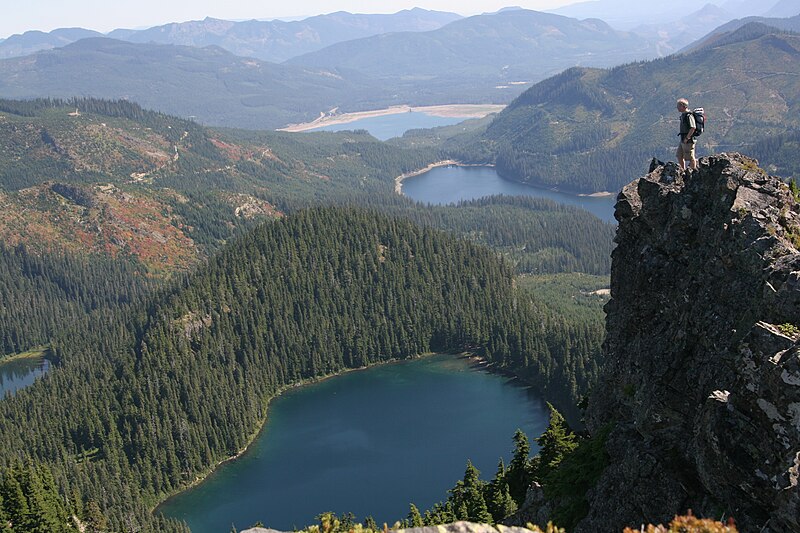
pixel 125 182
pixel 144 402
pixel 594 130
pixel 43 293
pixel 536 236
pixel 177 279
pixel 116 179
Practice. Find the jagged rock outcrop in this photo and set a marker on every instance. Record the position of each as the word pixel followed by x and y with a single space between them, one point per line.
pixel 702 355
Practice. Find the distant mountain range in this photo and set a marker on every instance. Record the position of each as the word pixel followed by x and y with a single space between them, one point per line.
pixel 672 35
pixel 488 58
pixel 33 41
pixel 278 41
pixel 720 33
pixel 485 59
pixel 209 83
pixel 480 57
pixel 590 130
pixel 784 8
pixel 628 14
pixel 273 41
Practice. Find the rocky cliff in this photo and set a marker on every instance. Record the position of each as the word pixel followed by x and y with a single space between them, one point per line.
pixel 702 375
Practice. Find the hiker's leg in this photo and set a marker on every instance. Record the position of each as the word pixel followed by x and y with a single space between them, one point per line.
pixel 692 158
pixel 679 155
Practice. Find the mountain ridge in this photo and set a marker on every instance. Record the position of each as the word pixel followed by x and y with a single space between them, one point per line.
pixel 273 41
pixel 226 89
pixel 533 45
pixel 726 31
pixel 589 130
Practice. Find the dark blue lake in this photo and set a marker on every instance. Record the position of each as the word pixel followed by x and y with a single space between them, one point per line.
pixel 444 185
pixel 368 442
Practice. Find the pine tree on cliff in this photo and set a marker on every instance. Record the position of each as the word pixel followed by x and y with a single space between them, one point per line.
pixel 556 442
pixel 467 497
pixel 498 497
pixel 519 474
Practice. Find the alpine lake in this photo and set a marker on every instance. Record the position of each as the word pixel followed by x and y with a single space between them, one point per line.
pixel 451 184
pixel 21 371
pixel 368 442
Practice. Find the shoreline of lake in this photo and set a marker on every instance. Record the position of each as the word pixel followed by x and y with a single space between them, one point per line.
pixel 598 194
pixel 398 181
pixel 263 423
pixel 33 353
pixel 332 118
pixel 200 504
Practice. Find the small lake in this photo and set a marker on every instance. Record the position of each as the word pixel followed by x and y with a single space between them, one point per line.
pixel 388 126
pixel 20 373
pixel 445 185
pixel 368 442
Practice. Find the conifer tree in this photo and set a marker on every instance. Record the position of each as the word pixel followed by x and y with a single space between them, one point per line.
pixel 93 519
pixel 5 526
pixel 414 517
pixel 468 497
pixel 369 523
pixel 15 502
pixel 556 442
pixel 519 474
pixel 498 497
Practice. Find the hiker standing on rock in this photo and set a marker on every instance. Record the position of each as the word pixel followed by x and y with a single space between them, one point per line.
pixel 686 143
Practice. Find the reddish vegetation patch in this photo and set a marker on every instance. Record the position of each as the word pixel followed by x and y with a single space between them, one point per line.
pixel 233 151
pixel 118 223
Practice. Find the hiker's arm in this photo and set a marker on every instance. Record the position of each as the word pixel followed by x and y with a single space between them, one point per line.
pixel 689 135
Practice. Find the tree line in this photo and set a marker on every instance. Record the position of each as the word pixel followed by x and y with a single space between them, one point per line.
pixel 148 398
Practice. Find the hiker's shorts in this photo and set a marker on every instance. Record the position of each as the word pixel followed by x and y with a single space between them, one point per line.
pixel 685 151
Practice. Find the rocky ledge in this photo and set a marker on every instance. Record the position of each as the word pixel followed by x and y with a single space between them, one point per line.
pixel 702 376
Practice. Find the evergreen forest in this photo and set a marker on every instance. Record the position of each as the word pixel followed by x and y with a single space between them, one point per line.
pixel 171 319
pixel 150 395
pixel 178 276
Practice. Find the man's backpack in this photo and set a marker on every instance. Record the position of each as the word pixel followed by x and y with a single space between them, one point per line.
pixel 699 120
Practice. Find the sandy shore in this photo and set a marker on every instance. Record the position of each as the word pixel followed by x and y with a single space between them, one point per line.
pixel 398 181
pixel 332 117
pixel 599 194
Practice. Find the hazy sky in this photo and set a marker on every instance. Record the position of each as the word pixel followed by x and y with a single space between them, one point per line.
pixel 105 15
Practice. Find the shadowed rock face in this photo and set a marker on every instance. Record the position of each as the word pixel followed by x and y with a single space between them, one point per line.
pixel 702 375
